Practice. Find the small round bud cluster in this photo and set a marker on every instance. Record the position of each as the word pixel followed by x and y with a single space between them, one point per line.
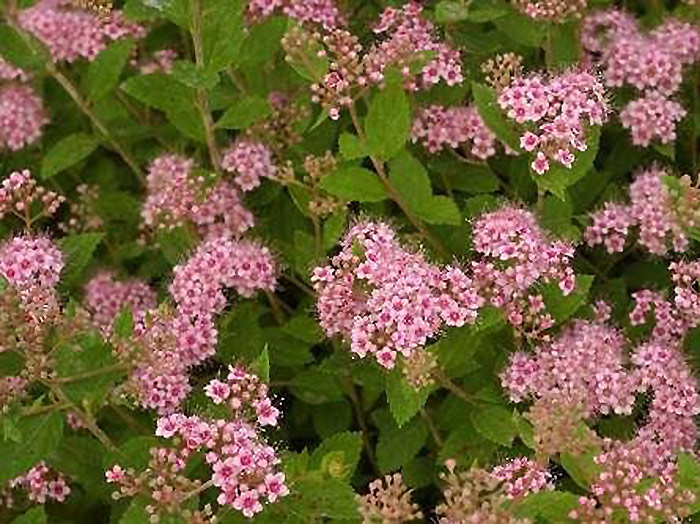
pixel 555 112
pixel 250 161
pixel 106 297
pixel 100 8
pixel 243 466
pixel 474 496
pixel 386 300
pixel 22 116
pixel 419 369
pixel 651 62
pixel 556 11
pixel 523 476
pixel 652 209
pixel 317 167
pixel 437 127
pixel 177 194
pixel 71 34
pixel 501 70
pixel 42 484
pixel 21 195
pixel 513 255
pixel 83 213
pixel 280 130
pixel 388 502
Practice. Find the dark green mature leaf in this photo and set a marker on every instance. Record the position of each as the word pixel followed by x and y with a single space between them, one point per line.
pixel 404 400
pixel 440 210
pixel 190 75
pixel 330 498
pixel 388 122
pixel 474 179
pixel 331 418
pixel 338 455
pixel 35 515
pixel 558 178
pixel 262 42
pixel 241 336
pixel 521 28
pixel 397 446
pixel 244 112
pixel 78 251
pixel 316 386
pixel 17 51
pixel 176 243
pixel 562 307
pixel 104 72
pixel 38 438
pixel 494 423
pixel 564 48
pixel 134 453
pixel 354 183
pixel 223 33
pixel 67 152
pixel 80 457
pixel 494 118
pixel 177 11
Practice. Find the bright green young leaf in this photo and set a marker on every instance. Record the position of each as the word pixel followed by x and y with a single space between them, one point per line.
pixel 404 400
pixel 244 112
pixel 261 366
pixel 35 515
pixel 354 183
pixel 451 11
pixel 554 506
pixel 495 423
pixel 223 33
pixel 66 153
pixel 581 468
pixel 397 446
pixel 17 50
pixel 351 147
pixel 561 307
pixel 339 454
pixel 188 74
pixel 388 122
pixel 564 50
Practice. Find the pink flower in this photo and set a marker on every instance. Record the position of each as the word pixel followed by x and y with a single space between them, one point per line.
pixel 540 165
pixel 247 503
pixel 217 391
pixel 275 486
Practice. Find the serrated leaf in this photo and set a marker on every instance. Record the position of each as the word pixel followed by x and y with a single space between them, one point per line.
pixel 17 51
pixel 495 423
pixel 388 122
pixel 440 210
pixel 581 468
pixel 342 450
pixel 330 498
pixel 564 50
pixel 562 307
pixel 354 184
pixel 123 326
pixel 316 386
pixel 77 251
pixel 554 506
pixel 40 437
pixel 244 112
pixel 493 116
pixel 404 400
pixel 397 446
pixel 188 74
pixel 261 366
pixel 67 152
pixel 223 33
pixel 104 72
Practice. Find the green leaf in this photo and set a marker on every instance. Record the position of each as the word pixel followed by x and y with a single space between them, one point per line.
pixel 188 74
pixel 333 228
pixel 688 471
pixel 562 307
pixel 223 33
pixel 451 11
pixel 78 252
pixel 354 183
pixel 134 453
pixel 36 515
pixel 397 446
pixel 261 366
pixel 40 437
pixel 558 178
pixel 244 113
pixel 351 147
pixel 308 59
pixel 262 42
pixel 556 216
pixel 123 326
pixel 316 386
pixel 388 122
pixel 404 400
pixel 331 418
pixel 104 72
pixel 440 210
pixel 564 50
pixel 17 51
pixel 339 454
pixel 554 506
pixel 495 423
pixel 241 336
pixel 176 243
pixel 80 457
pixel 330 498
pixel 581 468
pixel 521 28
pixel 493 116
pixel 67 152
pixel 474 179
pixel 455 351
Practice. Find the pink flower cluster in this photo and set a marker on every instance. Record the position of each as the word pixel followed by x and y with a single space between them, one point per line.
pixel 22 116
pixel 322 12
pixel 584 365
pixel 71 33
pixel 651 62
pixel 437 127
pixel 28 261
pixel 42 484
pixel 523 476
pixel 189 336
pixel 408 34
pixel 514 254
pixel 241 391
pixel 176 194
pixel 243 465
pixel 250 161
pixel 386 300
pixel 555 112
pixel 19 192
pixel 651 210
pixel 105 297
